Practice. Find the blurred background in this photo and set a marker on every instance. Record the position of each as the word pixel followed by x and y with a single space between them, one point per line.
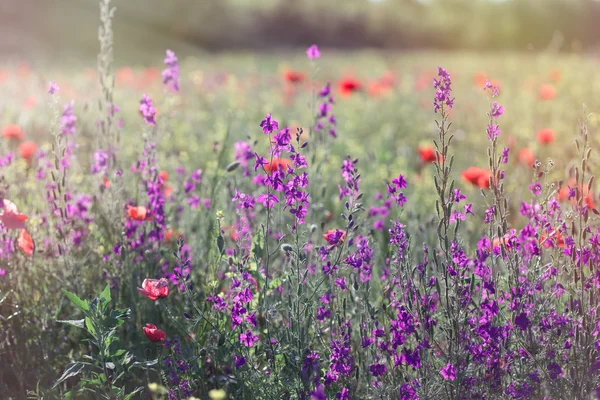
pixel 64 29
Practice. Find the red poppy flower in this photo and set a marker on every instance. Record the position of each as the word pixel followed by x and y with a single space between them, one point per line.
pixel 11 218
pixel 377 89
pixel 547 92
pixel 496 242
pixel 334 236
pixel 545 136
pixel 155 288
pixel 427 154
pixel 106 182
pixel 27 150
pixel 477 176
pixel 13 132
pixel 164 175
pixel 154 334
pixel 552 240
pixel 139 213
pixel 25 243
pixel 526 157
pixel 278 164
pixel 349 85
pixel 125 76
pixel 480 79
pixel 292 76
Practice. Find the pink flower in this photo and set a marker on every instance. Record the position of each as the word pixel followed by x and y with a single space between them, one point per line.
pixel 154 334
pixel 313 52
pixel 248 339
pixel 11 218
pixel 155 288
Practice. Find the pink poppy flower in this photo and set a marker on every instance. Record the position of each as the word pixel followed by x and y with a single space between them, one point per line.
pixel 11 218
pixel 155 288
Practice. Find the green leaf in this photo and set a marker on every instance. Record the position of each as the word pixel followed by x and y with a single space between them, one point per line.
pixel 106 295
pixel 78 323
pixel 73 369
pixel 81 304
pixel 90 326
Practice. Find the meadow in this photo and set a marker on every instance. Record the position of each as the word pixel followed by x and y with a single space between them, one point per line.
pixel 307 224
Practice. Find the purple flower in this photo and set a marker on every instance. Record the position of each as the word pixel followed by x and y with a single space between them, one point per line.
pixel 197 176
pixel 313 52
pixel 171 73
pixel 240 361
pixel 248 339
pixel 377 369
pixel 443 87
pixel 268 125
pixel 493 131
pixel 505 155
pixel 53 88
pixel 67 119
pixel 147 110
pixel 448 372
pixel 522 321
pixel 497 110
pixel 554 370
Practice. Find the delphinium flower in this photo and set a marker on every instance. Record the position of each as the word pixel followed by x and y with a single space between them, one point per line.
pixel 177 370
pixel 53 88
pixel 68 119
pixel 313 52
pixel 325 119
pixel 147 110
pixel 170 75
pixel 443 87
pixel 243 155
pixel 380 213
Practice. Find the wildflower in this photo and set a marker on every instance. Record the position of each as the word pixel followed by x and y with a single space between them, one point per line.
pixel 248 339
pixel 11 218
pixel 377 369
pixel 545 136
pixel 154 334
pixel 292 76
pixel 334 236
pixel 25 243
pixel 448 372
pixel 139 213
pixel 13 132
pixel 493 131
pixel 53 88
pixel 268 125
pixel 27 150
pixel 547 92
pixel 277 164
pixel 522 321
pixel 171 73
pixel 427 154
pixel 477 176
pixel 443 87
pixel 67 119
pixel 155 288
pixel 313 52
pixel 240 361
pixel 526 157
pixel 497 110
pixel 147 110
pixel 349 85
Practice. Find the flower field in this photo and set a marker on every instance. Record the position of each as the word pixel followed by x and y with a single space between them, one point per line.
pixel 308 224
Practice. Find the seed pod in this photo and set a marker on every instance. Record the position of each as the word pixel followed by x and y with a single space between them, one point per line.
pixel 232 166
